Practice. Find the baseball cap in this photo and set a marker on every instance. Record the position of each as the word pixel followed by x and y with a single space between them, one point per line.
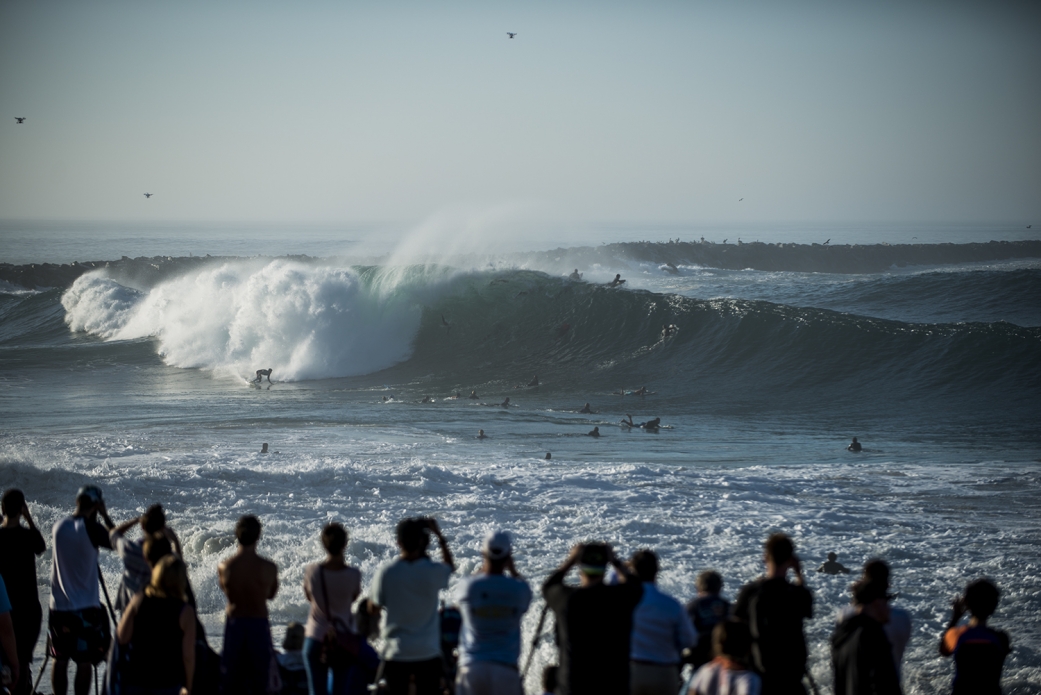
pixel 593 559
pixel 91 492
pixel 497 545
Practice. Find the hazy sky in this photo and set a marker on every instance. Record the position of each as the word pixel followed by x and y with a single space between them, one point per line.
pixel 602 112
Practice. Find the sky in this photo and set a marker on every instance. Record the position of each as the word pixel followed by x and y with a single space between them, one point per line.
pixel 606 112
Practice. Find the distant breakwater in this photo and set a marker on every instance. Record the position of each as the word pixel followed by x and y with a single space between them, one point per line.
pixel 808 258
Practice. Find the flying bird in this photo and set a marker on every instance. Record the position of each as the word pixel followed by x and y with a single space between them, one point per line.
pixel 826 242
pixel 149 195
pixel 740 199
pixel 20 119
pixel 1029 226
pixel 511 34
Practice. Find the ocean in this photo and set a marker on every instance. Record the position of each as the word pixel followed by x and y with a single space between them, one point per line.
pixel 131 369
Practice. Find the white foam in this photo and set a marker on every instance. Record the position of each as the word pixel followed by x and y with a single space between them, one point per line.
pixel 304 321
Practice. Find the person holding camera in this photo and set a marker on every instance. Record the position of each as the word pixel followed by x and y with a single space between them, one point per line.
pixel 979 651
pixel 19 547
pixel 407 588
pixel 78 625
pixel 594 621
pixel 492 604
pixel 774 610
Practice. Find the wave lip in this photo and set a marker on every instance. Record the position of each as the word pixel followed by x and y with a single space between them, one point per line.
pixel 305 321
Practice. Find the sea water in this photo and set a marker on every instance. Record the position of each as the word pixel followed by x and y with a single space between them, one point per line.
pixel 143 388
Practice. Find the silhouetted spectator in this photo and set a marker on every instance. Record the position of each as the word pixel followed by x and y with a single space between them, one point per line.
pixel 77 624
pixel 249 581
pixel 706 610
pixel 774 611
pixel 8 643
pixel 728 673
pixel 291 662
pixel 159 626
pixel 492 604
pixel 19 548
pixel 407 588
pixel 661 631
pixel 898 627
pixel 137 573
pixel 594 622
pixel 979 651
pixel 331 587
pixel 861 656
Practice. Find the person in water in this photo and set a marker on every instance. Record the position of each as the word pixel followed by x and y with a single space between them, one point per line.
pixel 506 403
pixel 642 391
pixel 481 434
pixel 586 410
pixel 648 425
pixel 667 329
pixel 617 281
pixel 534 381
pixel 575 275
pixel 854 445
pixel 263 448
pixel 261 373
pixel 595 432
pixel 833 566
pixel 473 395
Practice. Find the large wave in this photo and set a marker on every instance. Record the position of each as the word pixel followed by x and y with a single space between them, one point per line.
pixel 306 321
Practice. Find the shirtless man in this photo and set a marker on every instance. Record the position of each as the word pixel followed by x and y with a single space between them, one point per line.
pixel 249 581
pixel 261 373
pixel 833 566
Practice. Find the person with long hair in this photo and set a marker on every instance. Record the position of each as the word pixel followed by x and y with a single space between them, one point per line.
pixel 331 587
pixel 159 624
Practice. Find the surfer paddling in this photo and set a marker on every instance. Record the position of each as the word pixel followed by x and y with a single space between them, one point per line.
pixel 261 373
pixel 854 446
pixel 650 425
pixel 586 410
pixel 617 281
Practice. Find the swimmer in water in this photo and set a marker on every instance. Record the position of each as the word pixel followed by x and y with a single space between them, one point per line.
pixel 261 373
pixel 473 395
pixel 575 275
pixel 457 395
pixel 506 403
pixel 854 445
pixel 263 448
pixel 548 456
pixel 595 432
pixel 649 425
pixel 617 281
pixel 832 566
pixel 586 410
pixel 534 381
pixel 481 435
pixel 667 330
pixel 427 399
pixel 642 391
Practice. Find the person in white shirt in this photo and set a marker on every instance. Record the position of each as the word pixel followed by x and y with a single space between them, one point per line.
pixel 492 604
pixel 407 588
pixel 898 628
pixel 729 672
pixel 77 624
pixel 661 631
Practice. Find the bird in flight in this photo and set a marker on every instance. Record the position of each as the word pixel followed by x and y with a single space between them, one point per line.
pixel 149 195
pixel 511 34
pixel 1029 226
pixel 740 199
pixel 826 242
pixel 20 119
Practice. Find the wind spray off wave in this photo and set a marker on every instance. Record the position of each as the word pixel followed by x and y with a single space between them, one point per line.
pixel 306 321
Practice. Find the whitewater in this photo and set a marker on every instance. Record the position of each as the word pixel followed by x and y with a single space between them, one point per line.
pixel 135 376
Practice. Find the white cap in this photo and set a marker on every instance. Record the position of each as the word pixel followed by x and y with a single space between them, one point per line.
pixel 497 545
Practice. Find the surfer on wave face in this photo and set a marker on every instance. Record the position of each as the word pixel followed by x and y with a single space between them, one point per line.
pixel 617 281
pixel 261 373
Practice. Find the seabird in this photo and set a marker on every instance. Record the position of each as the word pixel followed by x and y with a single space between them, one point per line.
pixel 149 195
pixel 511 34
pixel 1029 226
pixel 826 242
pixel 740 199
pixel 20 119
